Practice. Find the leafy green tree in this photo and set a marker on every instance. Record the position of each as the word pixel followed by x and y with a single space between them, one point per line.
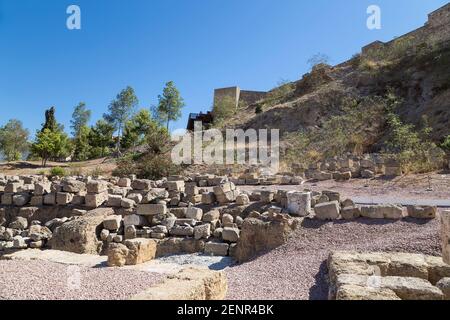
pixel 80 118
pixel 120 110
pixel 170 104
pixel 81 144
pixel 100 139
pixel 51 145
pixel 13 140
pixel 137 128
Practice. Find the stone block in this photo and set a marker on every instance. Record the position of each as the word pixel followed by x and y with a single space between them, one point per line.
pixel 299 203
pixel 151 209
pixel 216 248
pixel 327 211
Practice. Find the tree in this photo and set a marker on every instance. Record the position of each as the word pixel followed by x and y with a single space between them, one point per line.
pixel 120 111
pixel 137 128
pixel 50 145
pixel 80 118
pixel 50 121
pixel 81 144
pixel 13 140
pixel 100 139
pixel 170 104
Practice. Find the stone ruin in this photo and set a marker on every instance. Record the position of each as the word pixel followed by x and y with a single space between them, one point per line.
pixel 391 276
pixel 132 221
pixel 135 220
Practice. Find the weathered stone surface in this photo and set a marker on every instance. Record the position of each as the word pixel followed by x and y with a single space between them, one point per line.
pixel 189 284
pixel 140 250
pixel 327 210
pixel 422 212
pixel 80 235
pixel 64 198
pixel 211 216
pixel 117 255
pixel 258 236
pixel 41 188
pixel 95 200
pixel 151 209
pixel 112 223
pixel 407 288
pixel 299 203
pixel 355 292
pixel 216 248
pixel 97 186
pixel 242 200
pixel 141 184
pixel 134 220
pixel 127 203
pixel 124 182
pixel 202 231
pixel 382 211
pixel 351 212
pixel 21 199
pixel 194 213
pixel 19 223
pixel 114 201
pixel 182 230
pixel 230 234
pixel 73 186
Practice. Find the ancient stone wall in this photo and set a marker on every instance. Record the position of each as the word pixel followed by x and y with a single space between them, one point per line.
pixel 239 96
pixel 434 32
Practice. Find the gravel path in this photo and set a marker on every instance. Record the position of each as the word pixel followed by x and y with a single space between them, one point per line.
pixel 41 280
pixel 297 270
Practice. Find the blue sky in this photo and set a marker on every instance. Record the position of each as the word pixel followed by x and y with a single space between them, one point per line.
pixel 199 44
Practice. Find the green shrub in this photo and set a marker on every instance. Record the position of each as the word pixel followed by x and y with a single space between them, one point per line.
pixel 57 172
pixel 446 144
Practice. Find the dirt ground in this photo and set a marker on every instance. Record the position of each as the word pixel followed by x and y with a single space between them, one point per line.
pixel 103 166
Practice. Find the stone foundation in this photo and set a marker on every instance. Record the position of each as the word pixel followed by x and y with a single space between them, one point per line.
pixel 386 276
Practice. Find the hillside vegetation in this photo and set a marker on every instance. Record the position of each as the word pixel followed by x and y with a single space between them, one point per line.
pixel 395 102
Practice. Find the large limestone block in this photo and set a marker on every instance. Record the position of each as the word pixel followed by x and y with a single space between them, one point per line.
pixel 327 210
pixel 422 212
pixel 97 186
pixel 81 235
pixel 259 236
pixel 299 203
pixel 151 209
pixel 140 250
pixel 363 293
pixel 95 200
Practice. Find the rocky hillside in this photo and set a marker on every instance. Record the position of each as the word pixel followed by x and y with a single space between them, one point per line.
pixel 351 99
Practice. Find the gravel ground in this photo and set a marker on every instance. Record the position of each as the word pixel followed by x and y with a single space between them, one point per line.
pixel 41 280
pixel 297 270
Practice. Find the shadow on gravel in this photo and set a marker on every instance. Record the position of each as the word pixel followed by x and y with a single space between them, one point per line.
pixel 316 224
pixel 319 291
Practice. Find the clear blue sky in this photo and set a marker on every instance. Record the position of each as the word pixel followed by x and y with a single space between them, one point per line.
pixel 199 44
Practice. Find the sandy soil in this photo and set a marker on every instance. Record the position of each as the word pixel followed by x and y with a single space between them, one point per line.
pixel 103 166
